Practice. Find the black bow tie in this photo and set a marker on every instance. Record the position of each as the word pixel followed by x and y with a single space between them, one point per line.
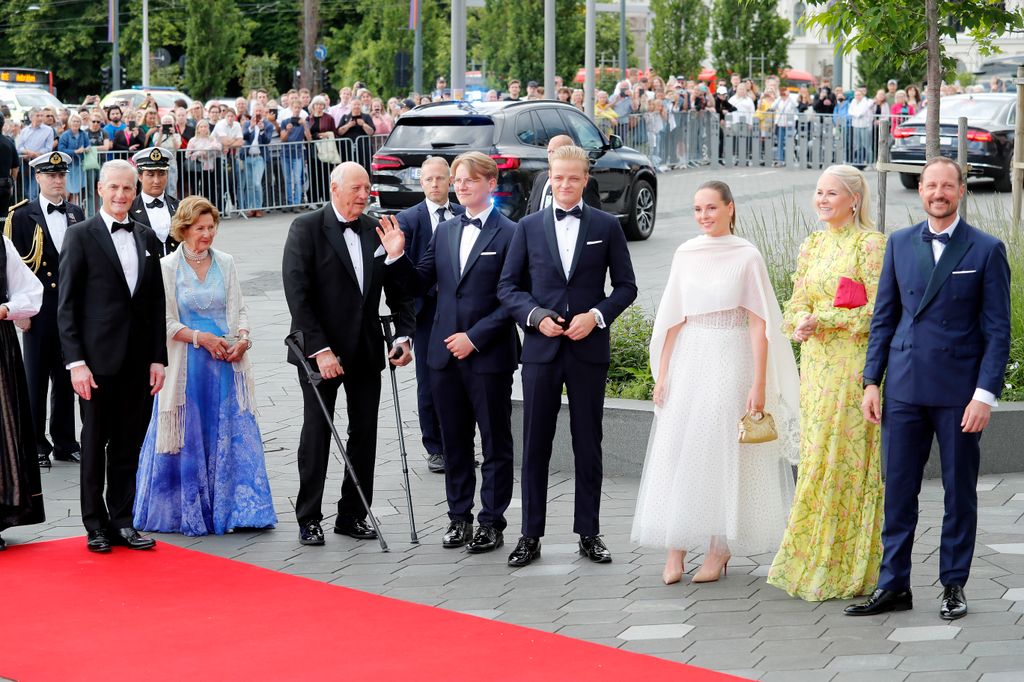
pixel 156 203
pixel 575 212
pixel 61 207
pixel 929 236
pixel 127 227
pixel 354 226
pixel 466 220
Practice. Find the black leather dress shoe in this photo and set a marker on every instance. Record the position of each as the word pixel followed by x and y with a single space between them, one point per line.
pixel 97 541
pixel 954 603
pixel 435 463
pixel 356 528
pixel 310 533
pixel 592 547
pixel 73 457
pixel 457 535
pixel 525 552
pixel 130 538
pixel 44 461
pixel 882 601
pixel 487 539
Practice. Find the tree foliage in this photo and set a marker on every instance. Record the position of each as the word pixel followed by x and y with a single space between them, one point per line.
pixel 745 29
pixel 261 72
pixel 165 30
pixel 216 37
pixel 874 70
pixel 678 34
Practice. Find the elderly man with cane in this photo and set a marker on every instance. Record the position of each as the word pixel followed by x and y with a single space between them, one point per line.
pixel 333 270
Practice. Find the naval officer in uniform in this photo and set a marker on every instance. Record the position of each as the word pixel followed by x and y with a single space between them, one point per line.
pixel 153 207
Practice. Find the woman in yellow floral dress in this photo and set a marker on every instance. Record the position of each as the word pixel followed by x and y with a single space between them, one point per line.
pixel 832 547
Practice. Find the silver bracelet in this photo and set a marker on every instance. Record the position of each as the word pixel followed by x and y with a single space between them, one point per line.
pixel 195 338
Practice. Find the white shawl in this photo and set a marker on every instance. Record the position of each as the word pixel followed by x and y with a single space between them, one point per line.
pixel 170 425
pixel 711 274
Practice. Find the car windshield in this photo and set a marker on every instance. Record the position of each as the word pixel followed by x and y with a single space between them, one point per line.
pixel 428 132
pixel 27 100
pixel 976 110
pixel 165 99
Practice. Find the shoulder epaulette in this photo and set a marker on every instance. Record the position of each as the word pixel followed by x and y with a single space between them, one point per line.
pixel 9 223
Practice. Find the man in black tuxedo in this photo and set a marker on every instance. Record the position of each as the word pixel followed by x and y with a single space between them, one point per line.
pixel 112 329
pixel 37 229
pixel 553 285
pixel 418 224
pixel 540 195
pixel 333 270
pixel 473 349
pixel 153 207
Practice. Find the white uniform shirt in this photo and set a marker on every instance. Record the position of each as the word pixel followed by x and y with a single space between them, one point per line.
pixel 159 218
pixel 56 222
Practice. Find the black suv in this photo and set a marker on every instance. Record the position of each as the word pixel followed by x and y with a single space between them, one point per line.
pixel 515 134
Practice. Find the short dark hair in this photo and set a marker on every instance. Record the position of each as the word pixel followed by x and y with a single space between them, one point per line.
pixel 936 160
pixel 112 107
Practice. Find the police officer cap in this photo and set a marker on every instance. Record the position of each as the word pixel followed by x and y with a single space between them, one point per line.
pixel 152 158
pixel 54 162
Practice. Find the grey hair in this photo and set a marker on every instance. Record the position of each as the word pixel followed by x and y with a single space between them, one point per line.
pixel 338 174
pixel 116 166
pixel 35 110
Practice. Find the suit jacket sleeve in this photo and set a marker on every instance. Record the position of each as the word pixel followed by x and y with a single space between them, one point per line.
pixel 995 321
pixel 620 268
pixel 886 315
pixel 157 303
pixel 401 307
pixel 296 269
pixel 513 287
pixel 591 196
pixel 533 205
pixel 72 283
pixel 415 279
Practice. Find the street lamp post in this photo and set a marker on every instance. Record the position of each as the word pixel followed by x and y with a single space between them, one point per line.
pixel 588 58
pixel 549 49
pixel 145 43
pixel 458 49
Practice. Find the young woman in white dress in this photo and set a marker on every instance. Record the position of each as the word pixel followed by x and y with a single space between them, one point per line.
pixel 717 352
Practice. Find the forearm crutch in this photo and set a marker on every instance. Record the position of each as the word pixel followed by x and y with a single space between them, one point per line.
pixel 389 337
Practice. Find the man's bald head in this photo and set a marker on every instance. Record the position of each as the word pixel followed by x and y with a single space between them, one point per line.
pixel 559 141
pixel 350 189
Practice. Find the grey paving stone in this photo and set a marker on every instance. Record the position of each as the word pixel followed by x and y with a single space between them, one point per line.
pixel 591 630
pixel 924 633
pixel 865 662
pixel 723 661
pixel 667 647
pixel 724 646
pixel 796 675
pixel 860 647
pixel 1011 676
pixel 958 676
pixel 986 664
pixel 936 662
pixel 793 662
pixel 990 633
pixel 870 676
pixel 937 647
pixel 788 632
pixel 782 647
pixel 584 617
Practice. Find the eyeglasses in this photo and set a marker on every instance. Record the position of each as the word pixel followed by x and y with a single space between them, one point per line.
pixel 95 120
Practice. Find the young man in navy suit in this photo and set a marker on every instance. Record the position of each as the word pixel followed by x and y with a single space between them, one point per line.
pixel 553 285
pixel 473 348
pixel 418 223
pixel 940 336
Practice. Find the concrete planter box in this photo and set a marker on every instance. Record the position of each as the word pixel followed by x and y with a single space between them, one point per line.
pixel 627 426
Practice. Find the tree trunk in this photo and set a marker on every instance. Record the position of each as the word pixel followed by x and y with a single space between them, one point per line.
pixel 931 123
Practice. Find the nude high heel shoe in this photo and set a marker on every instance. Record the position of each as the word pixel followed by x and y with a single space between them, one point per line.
pixel 713 568
pixel 673 573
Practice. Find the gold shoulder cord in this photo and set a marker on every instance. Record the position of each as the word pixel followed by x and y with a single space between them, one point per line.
pixel 35 254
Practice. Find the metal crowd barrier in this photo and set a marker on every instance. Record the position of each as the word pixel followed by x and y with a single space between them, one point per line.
pixel 275 176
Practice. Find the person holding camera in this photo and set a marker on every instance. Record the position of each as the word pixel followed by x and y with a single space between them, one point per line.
pixel 294 131
pixel 358 127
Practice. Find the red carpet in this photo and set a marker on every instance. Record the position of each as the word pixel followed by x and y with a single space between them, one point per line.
pixel 176 614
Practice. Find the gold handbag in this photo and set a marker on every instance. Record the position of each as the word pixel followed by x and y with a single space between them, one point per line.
pixel 757 428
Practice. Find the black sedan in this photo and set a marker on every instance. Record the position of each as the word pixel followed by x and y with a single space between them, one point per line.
pixel 515 134
pixel 990 131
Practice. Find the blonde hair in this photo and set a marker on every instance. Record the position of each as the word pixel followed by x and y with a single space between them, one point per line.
pixel 571 152
pixel 189 211
pixel 479 164
pixel 854 182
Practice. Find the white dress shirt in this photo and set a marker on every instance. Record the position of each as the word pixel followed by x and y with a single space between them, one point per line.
pixel 567 231
pixel 159 218
pixel 470 233
pixel 432 210
pixel 124 244
pixel 938 247
pixel 545 194
pixel 355 249
pixel 24 288
pixel 56 222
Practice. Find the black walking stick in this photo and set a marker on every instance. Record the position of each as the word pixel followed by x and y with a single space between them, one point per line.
pixel 296 345
pixel 389 337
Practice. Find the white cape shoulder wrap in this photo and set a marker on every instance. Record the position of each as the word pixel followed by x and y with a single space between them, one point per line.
pixel 711 274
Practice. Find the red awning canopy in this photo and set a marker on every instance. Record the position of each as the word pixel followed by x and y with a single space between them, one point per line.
pixel 798 75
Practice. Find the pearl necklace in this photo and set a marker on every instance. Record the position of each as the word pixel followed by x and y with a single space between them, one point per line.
pixel 194 257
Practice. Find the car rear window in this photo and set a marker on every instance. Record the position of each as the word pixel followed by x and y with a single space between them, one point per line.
pixel 976 110
pixel 436 132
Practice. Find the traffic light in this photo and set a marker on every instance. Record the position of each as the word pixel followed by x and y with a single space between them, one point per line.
pixel 323 78
pixel 105 78
pixel 124 78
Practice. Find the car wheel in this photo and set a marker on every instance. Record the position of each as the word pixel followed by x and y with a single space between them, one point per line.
pixel 909 180
pixel 640 225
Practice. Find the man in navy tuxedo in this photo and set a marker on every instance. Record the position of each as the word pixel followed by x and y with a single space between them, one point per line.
pixel 553 285
pixel 940 335
pixel 473 348
pixel 418 224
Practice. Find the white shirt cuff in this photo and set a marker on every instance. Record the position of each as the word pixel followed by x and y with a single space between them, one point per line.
pixel 599 317
pixel 389 260
pixel 72 365
pixel 531 315
pixel 986 397
pixel 318 352
pixel 399 340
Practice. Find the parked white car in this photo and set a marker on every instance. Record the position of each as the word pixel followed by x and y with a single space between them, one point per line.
pixel 20 100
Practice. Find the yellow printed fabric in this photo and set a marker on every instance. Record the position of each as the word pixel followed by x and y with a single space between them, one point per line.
pixel 832 547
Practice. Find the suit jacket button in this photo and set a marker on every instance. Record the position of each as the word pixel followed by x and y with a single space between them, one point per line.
pixel 44 264
pixel 911 292
pixel 53 285
pixel 49 274
pixel 459 295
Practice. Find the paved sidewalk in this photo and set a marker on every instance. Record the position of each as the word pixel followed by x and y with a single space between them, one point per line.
pixel 739 624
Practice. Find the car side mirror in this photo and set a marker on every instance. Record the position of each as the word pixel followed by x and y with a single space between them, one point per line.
pixel 614 142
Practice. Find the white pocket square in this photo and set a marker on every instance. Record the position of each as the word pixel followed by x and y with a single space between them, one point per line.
pixel 595 242
pixel 963 272
pixel 489 253
pixel 379 252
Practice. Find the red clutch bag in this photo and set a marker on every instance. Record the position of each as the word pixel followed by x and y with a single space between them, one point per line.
pixel 850 294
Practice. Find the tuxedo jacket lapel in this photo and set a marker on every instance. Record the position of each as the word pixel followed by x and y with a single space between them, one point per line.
pixel 140 248
pixel 958 245
pixel 482 240
pixel 369 242
pixel 454 237
pixel 581 240
pixel 332 230
pixel 549 234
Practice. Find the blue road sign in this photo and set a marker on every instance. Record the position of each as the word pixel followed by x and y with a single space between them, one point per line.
pixel 320 53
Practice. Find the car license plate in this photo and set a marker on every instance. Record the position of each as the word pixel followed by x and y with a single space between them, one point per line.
pixel 946 141
pixel 415 173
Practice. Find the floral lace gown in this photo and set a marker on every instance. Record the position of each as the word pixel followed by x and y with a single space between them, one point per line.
pixel 832 547
pixel 218 481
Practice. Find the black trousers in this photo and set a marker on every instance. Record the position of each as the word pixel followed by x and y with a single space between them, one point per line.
pixel 542 398
pixel 430 429
pixel 114 424
pixel 44 369
pixel 362 398
pixel 464 400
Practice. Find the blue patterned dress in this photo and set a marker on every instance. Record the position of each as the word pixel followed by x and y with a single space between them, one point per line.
pixel 218 482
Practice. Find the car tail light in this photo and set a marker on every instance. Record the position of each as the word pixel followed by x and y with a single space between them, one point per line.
pixel 381 162
pixel 979 136
pixel 506 162
pixel 902 133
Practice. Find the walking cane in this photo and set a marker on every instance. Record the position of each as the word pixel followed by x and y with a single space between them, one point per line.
pixel 296 345
pixel 389 337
